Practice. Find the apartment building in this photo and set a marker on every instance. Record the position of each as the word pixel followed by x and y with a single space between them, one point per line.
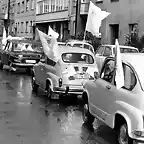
pixel 126 16
pixel 25 18
pixel 4 15
pixel 55 14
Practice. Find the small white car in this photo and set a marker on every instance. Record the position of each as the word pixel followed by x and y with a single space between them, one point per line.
pixel 109 50
pixel 82 44
pixel 121 109
pixel 66 77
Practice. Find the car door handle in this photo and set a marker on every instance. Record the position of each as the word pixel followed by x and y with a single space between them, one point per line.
pixel 108 87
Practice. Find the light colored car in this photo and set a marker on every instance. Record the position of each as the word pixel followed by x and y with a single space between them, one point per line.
pixel 61 43
pixel 78 43
pixel 109 50
pixel 66 77
pixel 121 109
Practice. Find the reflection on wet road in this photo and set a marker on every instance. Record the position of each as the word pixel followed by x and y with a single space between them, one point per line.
pixel 31 119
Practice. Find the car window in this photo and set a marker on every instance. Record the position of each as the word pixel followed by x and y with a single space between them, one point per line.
pixel 49 61
pixel 108 70
pixel 77 58
pixel 126 50
pixel 129 77
pixel 107 51
pixel 100 50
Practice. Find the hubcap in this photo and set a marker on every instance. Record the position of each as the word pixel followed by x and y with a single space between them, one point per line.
pixel 123 136
pixel 85 112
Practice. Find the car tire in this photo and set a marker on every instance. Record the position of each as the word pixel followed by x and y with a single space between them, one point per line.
pixel 122 135
pixel 88 118
pixel 34 85
pixel 48 90
pixel 1 65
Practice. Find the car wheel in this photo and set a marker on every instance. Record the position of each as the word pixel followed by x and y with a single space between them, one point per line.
pixel 88 118
pixel 1 65
pixel 122 135
pixel 34 85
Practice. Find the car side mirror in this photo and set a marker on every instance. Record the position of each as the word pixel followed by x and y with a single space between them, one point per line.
pixel 42 60
pixel 96 75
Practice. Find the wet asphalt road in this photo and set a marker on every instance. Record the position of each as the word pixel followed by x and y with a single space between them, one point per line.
pixel 27 118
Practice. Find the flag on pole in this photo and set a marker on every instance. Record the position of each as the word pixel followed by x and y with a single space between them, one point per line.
pixel 119 77
pixel 95 17
pixel 4 38
pixel 49 43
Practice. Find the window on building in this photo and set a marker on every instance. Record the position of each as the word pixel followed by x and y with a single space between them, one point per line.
pixel 26 30
pixel 133 28
pixel 18 8
pixel 32 4
pixel 13 8
pixel 46 6
pixel 18 28
pixel 22 27
pixel 57 5
pixel 27 5
pixel 65 4
pixel 40 7
pixel 22 7
pixel 53 5
pixel 31 27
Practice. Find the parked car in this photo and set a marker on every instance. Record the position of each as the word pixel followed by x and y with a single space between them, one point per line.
pixel 20 53
pixel 61 43
pixel 78 43
pixel 66 77
pixel 109 50
pixel 121 109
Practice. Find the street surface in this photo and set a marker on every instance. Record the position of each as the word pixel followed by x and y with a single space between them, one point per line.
pixel 27 118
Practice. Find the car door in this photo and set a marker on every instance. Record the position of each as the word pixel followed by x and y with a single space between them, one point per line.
pixel 99 56
pixel 5 53
pixel 101 97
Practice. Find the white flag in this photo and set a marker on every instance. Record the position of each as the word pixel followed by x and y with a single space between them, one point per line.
pixel 52 33
pixel 95 17
pixel 49 44
pixel 4 38
pixel 119 78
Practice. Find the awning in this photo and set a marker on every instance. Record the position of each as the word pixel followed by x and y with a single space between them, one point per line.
pixel 52 20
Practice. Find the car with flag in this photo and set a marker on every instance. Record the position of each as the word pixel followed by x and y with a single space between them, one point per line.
pixel 66 76
pixel 121 108
pixel 82 44
pixel 20 53
pixel 109 50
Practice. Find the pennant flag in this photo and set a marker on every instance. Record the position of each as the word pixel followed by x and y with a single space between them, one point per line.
pixel 95 17
pixel 49 43
pixel 4 38
pixel 119 78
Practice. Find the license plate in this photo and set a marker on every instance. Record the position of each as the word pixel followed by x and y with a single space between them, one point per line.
pixel 81 76
pixel 30 61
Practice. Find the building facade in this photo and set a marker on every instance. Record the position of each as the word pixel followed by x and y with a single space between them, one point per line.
pixel 25 18
pixel 53 13
pixel 5 15
pixel 125 17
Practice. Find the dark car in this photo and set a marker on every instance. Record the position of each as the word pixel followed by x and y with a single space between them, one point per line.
pixel 20 53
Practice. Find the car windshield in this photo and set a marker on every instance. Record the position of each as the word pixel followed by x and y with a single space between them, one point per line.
pixel 84 46
pixel 24 46
pixel 127 50
pixel 77 58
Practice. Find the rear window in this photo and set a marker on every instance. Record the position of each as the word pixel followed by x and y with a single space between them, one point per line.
pixel 127 50
pixel 77 58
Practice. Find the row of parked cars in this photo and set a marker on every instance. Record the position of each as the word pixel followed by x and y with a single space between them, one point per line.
pixel 81 71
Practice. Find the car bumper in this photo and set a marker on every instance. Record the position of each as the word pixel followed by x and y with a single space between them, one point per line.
pixel 22 65
pixel 67 90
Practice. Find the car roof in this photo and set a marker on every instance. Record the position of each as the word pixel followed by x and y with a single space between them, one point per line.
pixel 122 46
pixel 69 49
pixel 78 41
